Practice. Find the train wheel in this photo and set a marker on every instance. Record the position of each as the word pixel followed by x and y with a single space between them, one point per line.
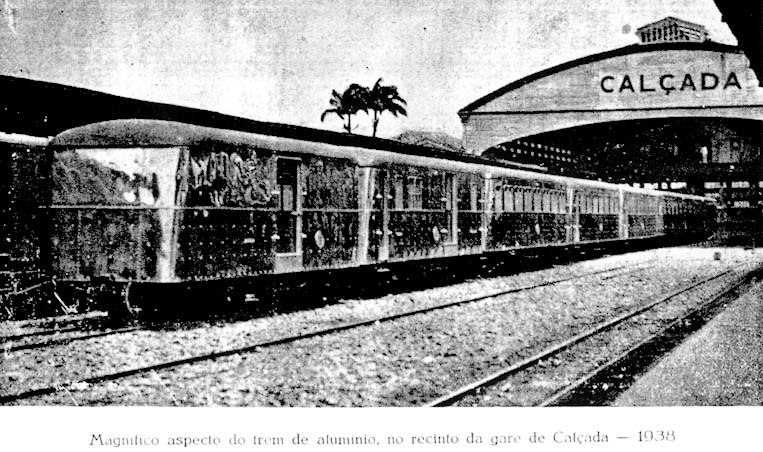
pixel 122 306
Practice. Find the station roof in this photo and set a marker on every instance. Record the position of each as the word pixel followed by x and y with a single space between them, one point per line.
pixel 44 109
pixel 627 50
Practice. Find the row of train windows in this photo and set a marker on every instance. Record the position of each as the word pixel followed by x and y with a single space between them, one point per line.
pixel 435 192
pixel 417 192
pixel 642 206
pixel 674 209
pixel 513 200
pixel 604 205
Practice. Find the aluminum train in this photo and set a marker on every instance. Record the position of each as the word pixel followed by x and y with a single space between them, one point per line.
pixel 148 213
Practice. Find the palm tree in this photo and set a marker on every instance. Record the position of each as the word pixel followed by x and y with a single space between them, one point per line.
pixel 383 98
pixel 347 104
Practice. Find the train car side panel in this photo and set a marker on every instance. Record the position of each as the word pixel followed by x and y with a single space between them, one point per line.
pixel 330 212
pixel 229 224
pixel 111 213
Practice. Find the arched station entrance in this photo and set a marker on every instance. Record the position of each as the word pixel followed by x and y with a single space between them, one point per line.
pixel 676 111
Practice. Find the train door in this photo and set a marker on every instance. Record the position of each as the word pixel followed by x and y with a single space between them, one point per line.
pixel 288 215
pixel 378 223
pixel 573 215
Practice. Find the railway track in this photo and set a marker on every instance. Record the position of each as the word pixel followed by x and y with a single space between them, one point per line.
pixel 10 398
pixel 90 324
pixel 9 347
pixel 571 391
pixel 65 328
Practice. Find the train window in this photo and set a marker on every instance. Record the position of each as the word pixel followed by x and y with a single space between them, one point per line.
pixel 329 183
pixel 508 199
pixel 140 177
pixel 397 188
pixel 433 191
pixel 498 199
pixel 563 203
pixel 528 201
pixel 518 200
pixel 465 193
pixel 415 198
pixel 448 192
pixel 554 203
pixel 537 201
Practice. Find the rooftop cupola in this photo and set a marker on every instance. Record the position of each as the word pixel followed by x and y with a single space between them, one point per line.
pixel 671 29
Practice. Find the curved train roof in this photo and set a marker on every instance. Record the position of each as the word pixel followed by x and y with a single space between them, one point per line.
pixel 153 133
pixel 142 132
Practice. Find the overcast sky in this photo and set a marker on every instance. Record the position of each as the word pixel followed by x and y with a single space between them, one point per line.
pixel 279 60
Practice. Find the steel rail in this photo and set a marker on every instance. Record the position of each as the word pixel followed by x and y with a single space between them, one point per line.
pixel 9 398
pixel 564 392
pixel 6 347
pixel 473 387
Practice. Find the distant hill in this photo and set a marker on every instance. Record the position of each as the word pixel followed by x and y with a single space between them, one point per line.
pixel 436 140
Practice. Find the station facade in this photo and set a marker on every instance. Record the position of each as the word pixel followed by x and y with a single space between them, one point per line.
pixel 674 111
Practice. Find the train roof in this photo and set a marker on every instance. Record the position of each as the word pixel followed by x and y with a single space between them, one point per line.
pixel 146 132
pixel 156 133
pixel 19 139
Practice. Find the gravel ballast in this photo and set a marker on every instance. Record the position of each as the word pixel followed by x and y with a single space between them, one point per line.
pixel 404 362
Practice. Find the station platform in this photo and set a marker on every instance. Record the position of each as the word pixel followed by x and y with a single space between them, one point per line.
pixel 719 365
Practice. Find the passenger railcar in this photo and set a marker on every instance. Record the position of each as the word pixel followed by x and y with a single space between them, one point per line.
pixel 22 174
pixel 146 211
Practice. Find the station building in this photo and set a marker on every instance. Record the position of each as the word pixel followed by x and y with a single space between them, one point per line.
pixel 675 111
